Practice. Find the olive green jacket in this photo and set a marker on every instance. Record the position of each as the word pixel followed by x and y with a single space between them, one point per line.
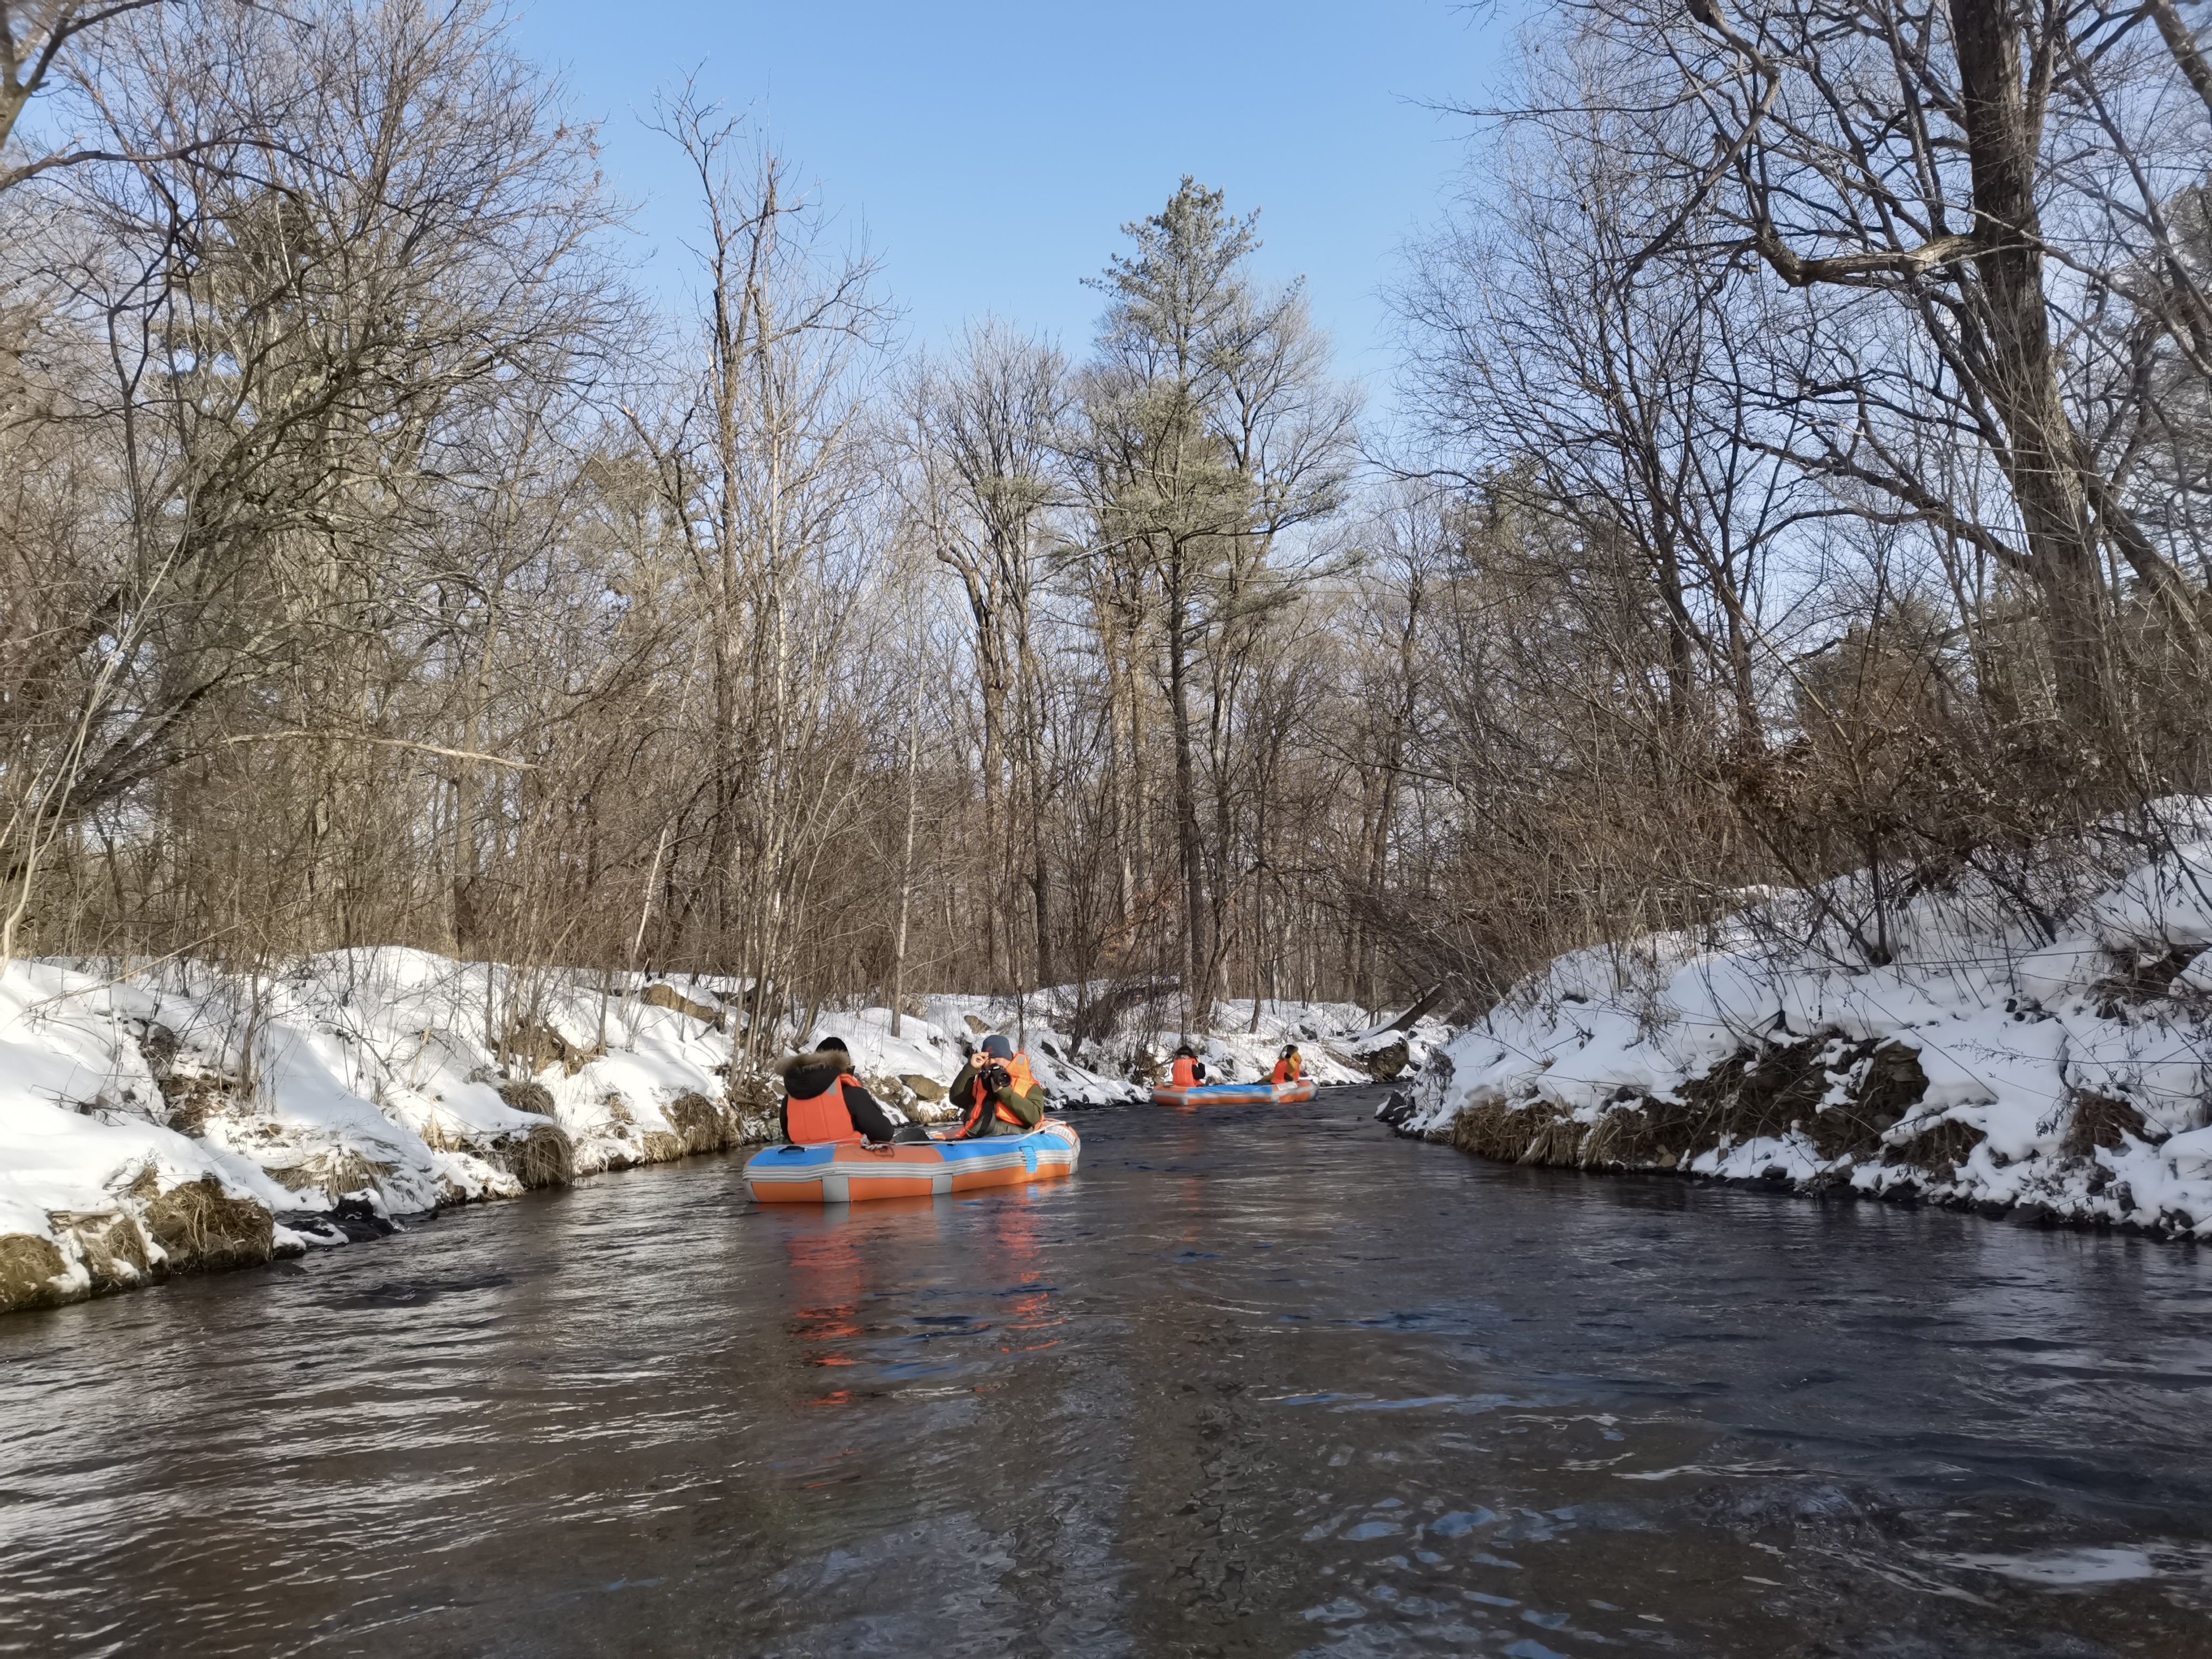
pixel 1027 1107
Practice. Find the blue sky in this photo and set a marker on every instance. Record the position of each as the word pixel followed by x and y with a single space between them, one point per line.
pixel 990 152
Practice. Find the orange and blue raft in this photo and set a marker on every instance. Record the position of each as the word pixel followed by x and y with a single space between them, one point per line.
pixel 852 1173
pixel 1234 1094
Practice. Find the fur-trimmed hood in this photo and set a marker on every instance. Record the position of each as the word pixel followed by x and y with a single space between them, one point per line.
pixel 791 1065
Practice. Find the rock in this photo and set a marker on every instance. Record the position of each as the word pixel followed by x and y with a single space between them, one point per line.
pixel 976 1025
pixel 662 995
pixel 540 1046
pixel 1395 1112
pixel 358 1218
pixel 922 1088
pixel 1382 1062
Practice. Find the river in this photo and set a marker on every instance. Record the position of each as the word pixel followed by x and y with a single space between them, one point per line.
pixel 1264 1381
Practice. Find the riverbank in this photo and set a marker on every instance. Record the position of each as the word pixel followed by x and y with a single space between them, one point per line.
pixel 2022 1035
pixel 179 1118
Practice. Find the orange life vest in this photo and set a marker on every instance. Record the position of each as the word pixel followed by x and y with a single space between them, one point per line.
pixel 1287 1069
pixel 822 1120
pixel 1184 1075
pixel 1018 1074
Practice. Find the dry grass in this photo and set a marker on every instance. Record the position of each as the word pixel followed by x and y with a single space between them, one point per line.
pixel 200 1227
pixel 1939 1149
pixel 335 1174
pixel 700 1124
pixel 1891 1085
pixel 751 1099
pixel 1500 1130
pixel 1758 1091
pixel 2134 981
pixel 189 1101
pixel 526 1097
pixel 29 1267
pixel 114 1246
pixel 1556 1139
pixel 2101 1121
pixel 659 1146
pixel 543 1158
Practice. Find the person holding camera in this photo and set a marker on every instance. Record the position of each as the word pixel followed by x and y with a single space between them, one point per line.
pixel 996 1092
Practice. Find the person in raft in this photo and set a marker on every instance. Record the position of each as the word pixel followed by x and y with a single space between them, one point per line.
pixel 823 1103
pixel 1290 1065
pixel 1189 1070
pixel 996 1093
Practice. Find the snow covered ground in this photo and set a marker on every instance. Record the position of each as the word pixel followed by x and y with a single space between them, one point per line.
pixel 306 1107
pixel 178 1116
pixel 2025 1031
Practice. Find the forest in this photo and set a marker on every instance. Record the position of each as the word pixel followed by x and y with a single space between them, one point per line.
pixel 1798 462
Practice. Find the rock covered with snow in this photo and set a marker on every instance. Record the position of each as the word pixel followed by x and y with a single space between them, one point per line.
pixel 2026 1031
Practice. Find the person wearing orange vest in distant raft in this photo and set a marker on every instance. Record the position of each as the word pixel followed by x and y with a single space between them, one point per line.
pixel 824 1105
pixel 1290 1065
pixel 1189 1070
pixel 996 1093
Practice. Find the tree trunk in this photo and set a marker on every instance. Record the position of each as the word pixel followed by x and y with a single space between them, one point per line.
pixel 2041 458
pixel 1197 989
pixel 906 862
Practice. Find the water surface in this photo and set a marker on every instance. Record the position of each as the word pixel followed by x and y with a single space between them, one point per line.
pixel 1263 1381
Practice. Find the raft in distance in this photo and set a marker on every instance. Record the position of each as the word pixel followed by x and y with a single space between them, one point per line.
pixel 1234 1094
pixel 852 1173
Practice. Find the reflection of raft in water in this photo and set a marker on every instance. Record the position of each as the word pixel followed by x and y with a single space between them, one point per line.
pixel 1234 1094
pixel 852 1173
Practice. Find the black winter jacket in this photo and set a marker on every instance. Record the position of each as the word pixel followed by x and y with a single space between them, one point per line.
pixel 803 1078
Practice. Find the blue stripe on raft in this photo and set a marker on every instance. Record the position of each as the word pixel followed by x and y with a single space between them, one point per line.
pixel 793 1157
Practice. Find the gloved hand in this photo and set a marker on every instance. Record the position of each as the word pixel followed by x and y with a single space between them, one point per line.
pixel 995 1077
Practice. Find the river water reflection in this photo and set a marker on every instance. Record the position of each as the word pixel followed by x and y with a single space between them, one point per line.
pixel 1262 1382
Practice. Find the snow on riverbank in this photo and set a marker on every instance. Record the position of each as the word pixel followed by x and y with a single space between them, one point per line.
pixel 306 1107
pixel 180 1116
pixel 2024 1032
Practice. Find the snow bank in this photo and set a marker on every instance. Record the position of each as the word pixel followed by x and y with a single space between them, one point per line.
pixel 2026 1032
pixel 182 1117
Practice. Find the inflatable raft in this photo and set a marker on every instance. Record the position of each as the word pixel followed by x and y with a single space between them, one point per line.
pixel 1235 1094
pixel 853 1174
